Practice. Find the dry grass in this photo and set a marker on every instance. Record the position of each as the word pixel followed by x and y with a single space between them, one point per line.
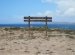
pixel 16 41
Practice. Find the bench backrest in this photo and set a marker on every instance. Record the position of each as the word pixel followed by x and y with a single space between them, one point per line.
pixel 37 19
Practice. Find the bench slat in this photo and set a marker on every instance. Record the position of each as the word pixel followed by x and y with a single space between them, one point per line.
pixel 37 17
pixel 37 20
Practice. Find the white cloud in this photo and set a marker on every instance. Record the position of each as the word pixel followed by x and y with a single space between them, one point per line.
pixel 45 13
pixel 67 7
pixel 64 8
pixel 46 1
pixel 70 12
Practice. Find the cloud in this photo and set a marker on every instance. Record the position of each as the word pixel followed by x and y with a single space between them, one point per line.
pixel 46 1
pixel 70 12
pixel 64 8
pixel 45 13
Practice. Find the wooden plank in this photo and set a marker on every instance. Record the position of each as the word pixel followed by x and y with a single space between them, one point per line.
pixel 37 17
pixel 37 20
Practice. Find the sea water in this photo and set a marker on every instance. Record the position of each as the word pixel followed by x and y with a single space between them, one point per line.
pixel 52 25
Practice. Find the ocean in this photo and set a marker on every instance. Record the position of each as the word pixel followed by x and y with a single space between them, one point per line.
pixel 52 25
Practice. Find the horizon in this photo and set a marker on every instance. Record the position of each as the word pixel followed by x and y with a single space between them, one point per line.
pixel 14 11
pixel 42 23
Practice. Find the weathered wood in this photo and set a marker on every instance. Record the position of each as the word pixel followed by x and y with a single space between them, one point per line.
pixel 29 25
pixel 37 19
pixel 46 25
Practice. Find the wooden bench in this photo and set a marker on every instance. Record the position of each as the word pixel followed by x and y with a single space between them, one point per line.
pixel 37 19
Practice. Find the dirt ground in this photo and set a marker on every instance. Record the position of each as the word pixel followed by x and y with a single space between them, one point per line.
pixel 18 42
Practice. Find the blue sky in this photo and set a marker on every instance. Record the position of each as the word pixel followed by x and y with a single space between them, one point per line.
pixel 13 11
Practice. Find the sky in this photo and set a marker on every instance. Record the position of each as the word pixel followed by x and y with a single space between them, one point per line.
pixel 13 11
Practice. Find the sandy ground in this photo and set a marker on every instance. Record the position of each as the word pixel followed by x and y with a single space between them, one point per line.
pixel 18 42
